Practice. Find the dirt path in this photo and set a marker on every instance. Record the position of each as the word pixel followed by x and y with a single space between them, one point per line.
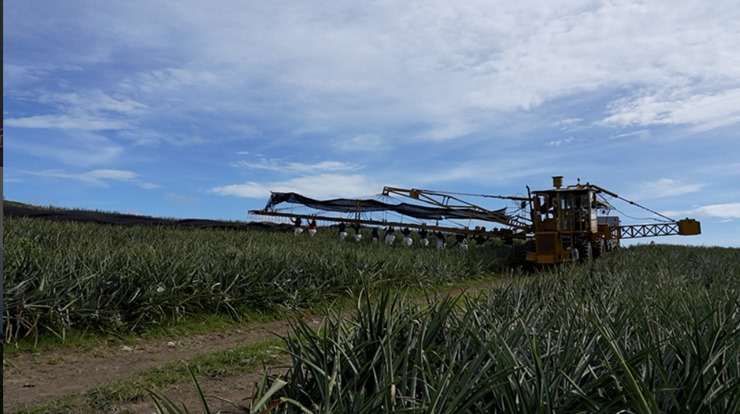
pixel 33 379
pixel 30 379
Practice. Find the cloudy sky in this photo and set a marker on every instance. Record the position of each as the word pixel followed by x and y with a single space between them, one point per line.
pixel 199 109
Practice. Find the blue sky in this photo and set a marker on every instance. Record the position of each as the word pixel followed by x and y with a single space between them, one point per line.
pixel 199 109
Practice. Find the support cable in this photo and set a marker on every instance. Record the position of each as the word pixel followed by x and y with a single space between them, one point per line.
pixel 644 208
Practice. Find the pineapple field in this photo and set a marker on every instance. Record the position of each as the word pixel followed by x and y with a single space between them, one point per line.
pixel 649 328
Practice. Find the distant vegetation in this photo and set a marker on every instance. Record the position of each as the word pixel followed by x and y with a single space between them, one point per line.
pixel 61 276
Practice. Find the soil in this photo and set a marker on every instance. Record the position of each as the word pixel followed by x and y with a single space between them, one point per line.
pixel 30 379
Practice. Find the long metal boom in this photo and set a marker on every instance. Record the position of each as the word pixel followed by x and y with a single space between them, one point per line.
pixel 451 201
pixel 384 223
pixel 685 227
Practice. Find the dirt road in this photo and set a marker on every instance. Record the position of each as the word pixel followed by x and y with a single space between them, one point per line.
pixel 32 379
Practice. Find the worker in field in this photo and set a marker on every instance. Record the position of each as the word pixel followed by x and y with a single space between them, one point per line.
pixel 423 236
pixel 297 229
pixel 358 234
pixel 342 231
pixel 480 238
pixel 574 254
pixel 441 243
pixel 407 240
pixel 313 228
pixel 390 235
pixel 462 241
pixel 375 235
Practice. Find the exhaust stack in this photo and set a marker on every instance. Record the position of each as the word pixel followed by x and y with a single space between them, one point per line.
pixel 557 181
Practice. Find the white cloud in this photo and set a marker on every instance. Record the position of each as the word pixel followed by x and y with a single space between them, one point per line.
pixel 486 173
pixel 457 64
pixel 82 111
pixel 360 143
pixel 569 122
pixel 665 187
pixel 148 186
pixel 97 178
pixel 249 189
pixel 173 79
pixel 725 211
pixel 560 142
pixel 118 175
pixel 454 66
pixel 448 129
pixel 722 169
pixel 701 111
pixel 77 148
pixel 92 101
pixel 81 123
pixel 316 186
pixel 296 167
pixel 149 137
pixel 642 134
pixel 16 77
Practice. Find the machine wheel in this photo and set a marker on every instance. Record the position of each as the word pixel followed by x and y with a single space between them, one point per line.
pixel 529 246
pixel 585 252
pixel 599 248
pixel 518 257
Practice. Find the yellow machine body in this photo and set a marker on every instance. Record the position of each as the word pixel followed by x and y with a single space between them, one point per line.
pixel 566 225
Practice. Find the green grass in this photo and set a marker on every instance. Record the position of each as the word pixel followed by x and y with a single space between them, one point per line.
pixel 88 340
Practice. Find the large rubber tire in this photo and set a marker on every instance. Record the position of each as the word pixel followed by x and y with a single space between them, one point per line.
pixel 599 248
pixel 518 256
pixel 585 252
pixel 529 246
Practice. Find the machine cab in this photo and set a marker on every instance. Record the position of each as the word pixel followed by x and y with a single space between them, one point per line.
pixel 564 219
pixel 569 210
